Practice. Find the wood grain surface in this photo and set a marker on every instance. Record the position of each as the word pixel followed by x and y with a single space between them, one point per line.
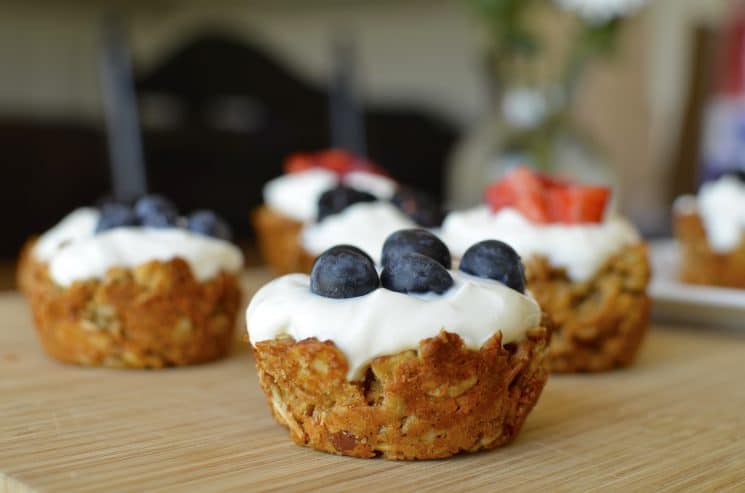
pixel 674 422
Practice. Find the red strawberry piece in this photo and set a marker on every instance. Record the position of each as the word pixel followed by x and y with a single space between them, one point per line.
pixel 299 161
pixel 575 204
pixel 523 190
pixel 337 160
pixel 549 181
pixel 544 199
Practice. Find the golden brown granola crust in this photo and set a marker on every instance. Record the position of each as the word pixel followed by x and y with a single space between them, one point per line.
pixel 699 263
pixel 278 237
pixel 152 316
pixel 29 272
pixel 432 403
pixel 599 324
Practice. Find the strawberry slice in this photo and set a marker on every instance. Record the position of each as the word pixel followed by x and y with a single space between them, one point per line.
pixel 297 162
pixel 575 204
pixel 548 182
pixel 523 190
pixel 339 161
pixel 500 195
pixel 543 199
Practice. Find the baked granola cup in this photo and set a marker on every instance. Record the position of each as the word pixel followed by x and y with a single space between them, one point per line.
pixel 29 273
pixel 598 324
pixel 699 263
pixel 152 316
pixel 430 403
pixel 278 237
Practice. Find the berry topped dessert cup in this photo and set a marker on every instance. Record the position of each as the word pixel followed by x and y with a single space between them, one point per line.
pixel 292 200
pixel 588 270
pixel 333 197
pixel 710 229
pixel 415 362
pixel 136 287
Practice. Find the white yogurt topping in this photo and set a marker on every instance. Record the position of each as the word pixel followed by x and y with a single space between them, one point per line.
pixel 385 322
pixel 580 249
pixel 721 204
pixel 90 258
pixel 365 225
pixel 74 252
pixel 296 194
pixel 380 186
pixel 76 226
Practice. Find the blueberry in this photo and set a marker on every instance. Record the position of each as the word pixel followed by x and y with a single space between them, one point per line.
pixel 415 241
pixel 339 198
pixel 493 259
pixel 155 205
pixel 160 221
pixel 415 273
pixel 343 271
pixel 115 215
pixel 357 250
pixel 420 207
pixel 210 224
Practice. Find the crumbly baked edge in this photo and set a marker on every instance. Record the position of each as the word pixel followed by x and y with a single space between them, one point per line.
pixel 434 402
pixel 152 316
pixel 278 239
pixel 700 264
pixel 598 324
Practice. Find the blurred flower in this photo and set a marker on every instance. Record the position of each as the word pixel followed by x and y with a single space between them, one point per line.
pixel 600 11
pixel 524 108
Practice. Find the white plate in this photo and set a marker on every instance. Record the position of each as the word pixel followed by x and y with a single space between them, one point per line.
pixel 674 301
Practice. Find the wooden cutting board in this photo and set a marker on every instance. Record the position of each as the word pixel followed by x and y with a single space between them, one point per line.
pixel 674 422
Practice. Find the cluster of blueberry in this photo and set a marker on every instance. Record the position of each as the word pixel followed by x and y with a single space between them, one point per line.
pixel 414 261
pixel 421 208
pixel 156 211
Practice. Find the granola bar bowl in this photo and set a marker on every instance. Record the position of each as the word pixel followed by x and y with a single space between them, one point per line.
pixel 394 369
pixel 710 229
pixel 587 267
pixel 131 296
pixel 600 323
pixel 291 201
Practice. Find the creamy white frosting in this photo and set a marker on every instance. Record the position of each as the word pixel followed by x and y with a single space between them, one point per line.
pixel 90 258
pixel 721 205
pixel 79 224
pixel 296 194
pixel 385 322
pixel 580 249
pixel 378 185
pixel 74 252
pixel 365 225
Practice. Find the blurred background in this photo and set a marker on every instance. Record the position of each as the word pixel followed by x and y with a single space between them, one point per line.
pixel 451 91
